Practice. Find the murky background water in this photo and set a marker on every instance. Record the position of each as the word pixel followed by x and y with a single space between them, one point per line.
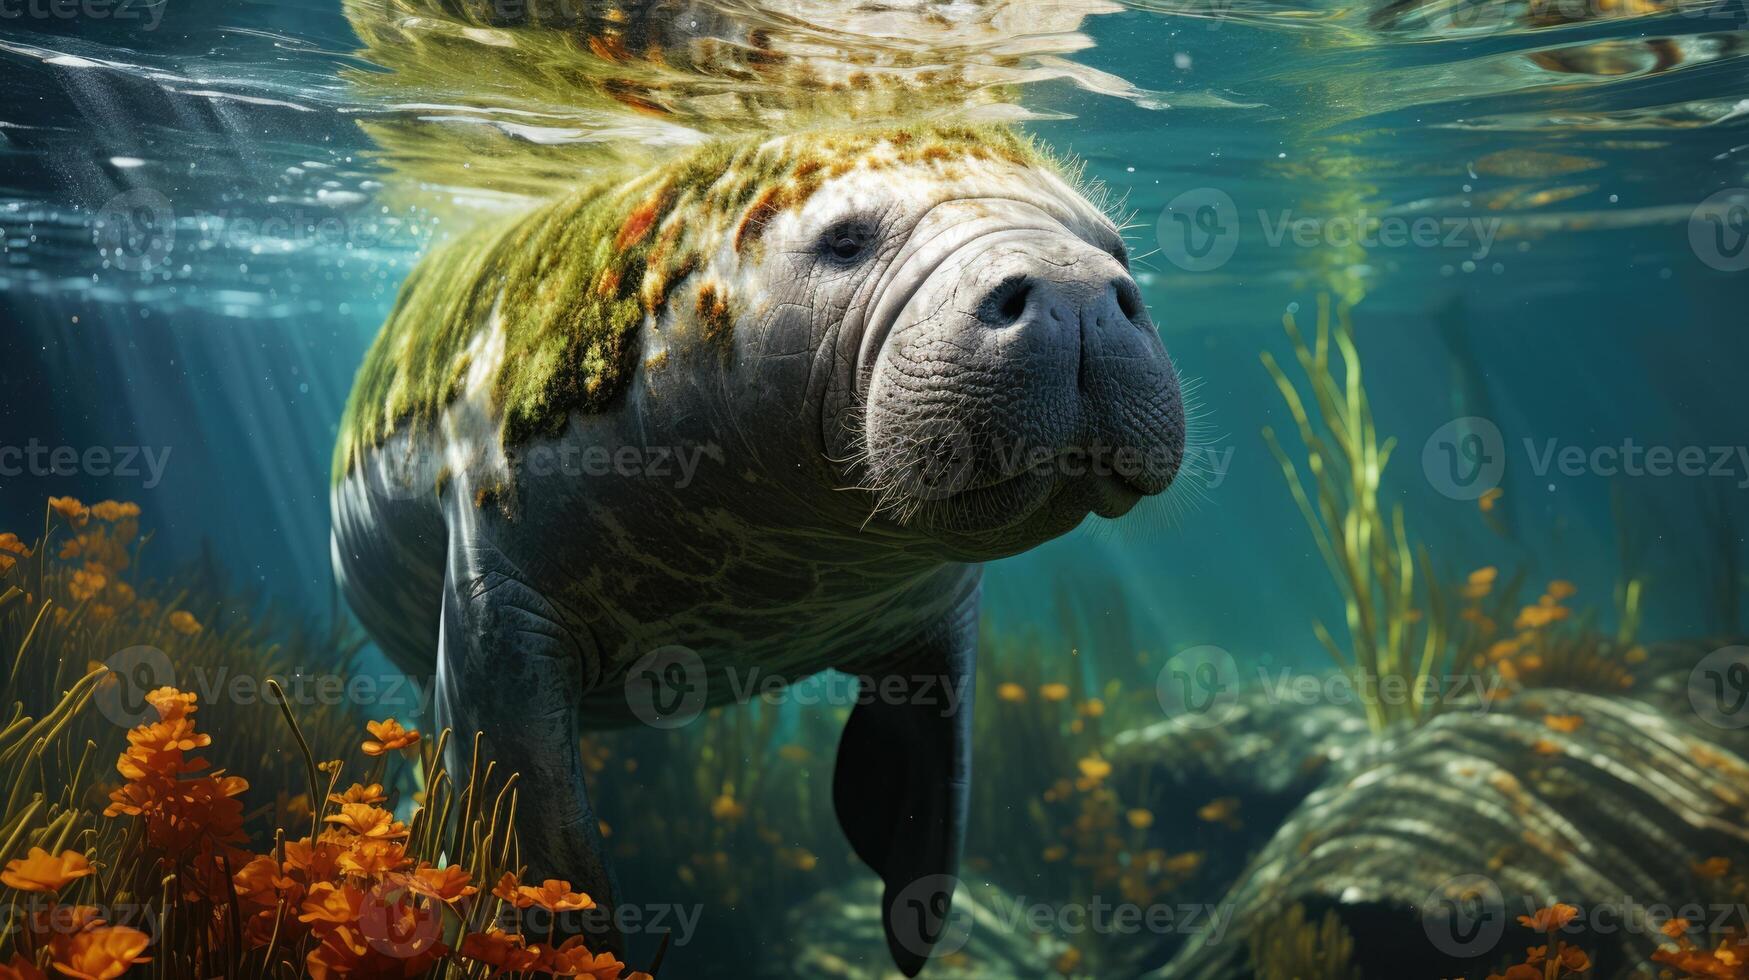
pixel 206 210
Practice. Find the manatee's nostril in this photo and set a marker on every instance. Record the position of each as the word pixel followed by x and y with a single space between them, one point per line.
pixel 1006 304
pixel 1129 299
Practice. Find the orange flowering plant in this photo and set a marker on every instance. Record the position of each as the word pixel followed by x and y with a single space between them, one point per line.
pixel 159 867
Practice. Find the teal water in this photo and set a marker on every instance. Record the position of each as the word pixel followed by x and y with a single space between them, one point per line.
pixel 1582 165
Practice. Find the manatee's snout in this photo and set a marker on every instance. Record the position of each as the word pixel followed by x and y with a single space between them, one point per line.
pixel 1022 384
pixel 1070 303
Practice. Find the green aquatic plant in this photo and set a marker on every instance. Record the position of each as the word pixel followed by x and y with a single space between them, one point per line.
pixel 1295 948
pixel 1397 632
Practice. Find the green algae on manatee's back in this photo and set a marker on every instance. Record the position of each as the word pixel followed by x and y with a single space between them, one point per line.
pixel 574 282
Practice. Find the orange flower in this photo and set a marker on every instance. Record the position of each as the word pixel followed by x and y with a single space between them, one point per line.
pixel 555 896
pixel 1011 692
pixel 71 510
pixel 1054 692
pixel 1489 498
pixel 500 949
pixel 103 953
pixel 1093 767
pixel 444 884
pixel 368 821
pixel 388 735
pixel 573 959
pixel 10 546
pixel 360 794
pixel 725 808
pixel 1224 810
pixel 373 856
pixel 331 904
pixel 1522 971
pixel 1561 589
pixel 183 621
pixel 1563 723
pixel 113 510
pixel 87 582
pixel 259 880
pixel 41 872
pixel 1713 867
pixel 1480 582
pixel 1675 928
pixel 1549 919
pixel 172 704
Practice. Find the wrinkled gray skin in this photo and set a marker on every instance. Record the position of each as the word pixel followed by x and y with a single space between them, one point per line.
pixel 861 443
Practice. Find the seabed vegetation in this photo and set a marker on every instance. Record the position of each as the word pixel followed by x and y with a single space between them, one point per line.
pixel 162 864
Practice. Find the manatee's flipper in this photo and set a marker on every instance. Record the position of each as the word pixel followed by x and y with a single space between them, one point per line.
pixel 903 780
pixel 513 667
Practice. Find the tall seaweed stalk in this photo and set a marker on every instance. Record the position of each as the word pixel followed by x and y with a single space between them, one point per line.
pixel 1396 643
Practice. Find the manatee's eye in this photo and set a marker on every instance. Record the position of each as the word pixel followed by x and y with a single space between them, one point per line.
pixel 848 241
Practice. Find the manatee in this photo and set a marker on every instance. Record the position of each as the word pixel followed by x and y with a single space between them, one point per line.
pixel 887 354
